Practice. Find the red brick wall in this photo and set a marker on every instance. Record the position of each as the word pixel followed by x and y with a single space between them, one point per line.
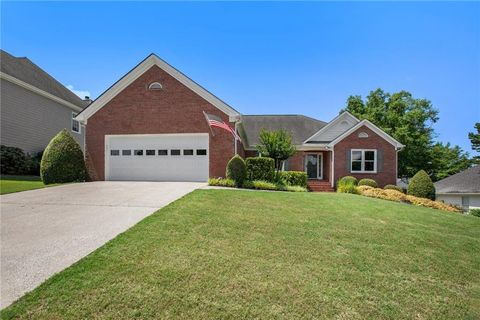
pixel 297 162
pixel 137 110
pixel 374 141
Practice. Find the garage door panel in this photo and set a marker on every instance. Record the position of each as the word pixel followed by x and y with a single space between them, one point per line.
pixel 157 167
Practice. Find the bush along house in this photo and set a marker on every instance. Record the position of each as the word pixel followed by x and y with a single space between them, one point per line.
pixel 157 124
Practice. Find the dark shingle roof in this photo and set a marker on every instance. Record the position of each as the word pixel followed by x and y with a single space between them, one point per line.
pixel 299 126
pixel 467 181
pixel 27 71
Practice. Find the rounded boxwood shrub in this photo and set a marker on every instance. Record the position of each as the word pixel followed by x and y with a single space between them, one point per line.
pixel 62 160
pixel 260 168
pixel 236 170
pixel 368 182
pixel 393 187
pixel 347 180
pixel 421 186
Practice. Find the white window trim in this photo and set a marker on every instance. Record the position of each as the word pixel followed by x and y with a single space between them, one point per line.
pixel 74 114
pixel 375 161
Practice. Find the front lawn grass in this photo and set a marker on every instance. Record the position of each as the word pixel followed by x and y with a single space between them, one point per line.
pixel 10 184
pixel 228 254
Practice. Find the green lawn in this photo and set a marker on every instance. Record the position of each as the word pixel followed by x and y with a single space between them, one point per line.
pixel 226 254
pixel 9 184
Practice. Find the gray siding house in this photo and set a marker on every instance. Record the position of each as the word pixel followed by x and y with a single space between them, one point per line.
pixel 34 106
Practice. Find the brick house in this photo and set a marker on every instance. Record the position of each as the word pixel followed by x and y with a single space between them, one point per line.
pixel 151 125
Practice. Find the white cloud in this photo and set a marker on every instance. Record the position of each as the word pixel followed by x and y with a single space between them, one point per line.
pixel 81 93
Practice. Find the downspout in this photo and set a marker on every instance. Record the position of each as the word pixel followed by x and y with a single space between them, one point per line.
pixel 333 168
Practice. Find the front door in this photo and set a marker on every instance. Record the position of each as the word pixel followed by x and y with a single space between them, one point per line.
pixel 314 165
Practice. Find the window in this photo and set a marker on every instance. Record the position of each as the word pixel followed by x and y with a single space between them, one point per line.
pixel 188 152
pixel 155 86
pixel 114 152
pixel 363 160
pixel 75 123
pixel 150 152
pixel 126 152
pixel 163 152
pixel 201 152
pixel 138 152
pixel 175 152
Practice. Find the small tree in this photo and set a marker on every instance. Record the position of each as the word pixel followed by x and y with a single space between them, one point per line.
pixel 276 145
pixel 236 170
pixel 62 160
pixel 421 186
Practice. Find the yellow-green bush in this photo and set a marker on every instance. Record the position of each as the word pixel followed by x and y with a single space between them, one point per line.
pixel 397 196
pixel 219 182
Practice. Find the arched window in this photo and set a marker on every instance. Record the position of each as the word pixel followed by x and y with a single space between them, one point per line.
pixel 363 135
pixel 155 86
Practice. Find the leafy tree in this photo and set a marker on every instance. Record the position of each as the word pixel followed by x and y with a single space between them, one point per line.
pixel 276 145
pixel 448 160
pixel 475 139
pixel 405 118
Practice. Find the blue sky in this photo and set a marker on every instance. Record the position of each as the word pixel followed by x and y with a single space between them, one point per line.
pixel 264 58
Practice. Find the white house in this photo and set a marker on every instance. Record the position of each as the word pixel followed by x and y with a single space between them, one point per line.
pixel 461 189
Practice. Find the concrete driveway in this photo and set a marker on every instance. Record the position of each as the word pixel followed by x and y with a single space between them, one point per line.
pixel 46 230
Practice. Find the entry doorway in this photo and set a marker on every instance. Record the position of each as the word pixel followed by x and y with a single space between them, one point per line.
pixel 314 165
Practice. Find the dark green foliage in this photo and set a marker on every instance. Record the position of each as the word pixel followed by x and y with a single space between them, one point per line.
pixel 421 186
pixel 448 160
pixel 62 160
pixel 260 168
pixel 368 182
pixel 347 179
pixel 236 170
pixel 12 160
pixel 405 118
pixel 475 140
pixel 393 187
pixel 294 178
pixel 276 145
pixel 475 212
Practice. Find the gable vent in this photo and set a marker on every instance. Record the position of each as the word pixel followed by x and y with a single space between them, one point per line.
pixel 155 86
pixel 363 135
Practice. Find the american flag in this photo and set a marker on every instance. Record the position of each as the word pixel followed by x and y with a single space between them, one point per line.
pixel 215 121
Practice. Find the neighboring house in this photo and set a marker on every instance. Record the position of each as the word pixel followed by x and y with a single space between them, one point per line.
pixel 461 189
pixel 34 106
pixel 150 125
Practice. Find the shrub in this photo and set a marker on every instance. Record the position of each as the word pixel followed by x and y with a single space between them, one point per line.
pixel 260 185
pixel 260 168
pixel 475 212
pixel 421 186
pixel 368 182
pixel 348 179
pixel 62 160
pixel 294 178
pixel 393 187
pixel 12 160
pixel 219 182
pixel 236 170
pixel 347 187
pixel 294 188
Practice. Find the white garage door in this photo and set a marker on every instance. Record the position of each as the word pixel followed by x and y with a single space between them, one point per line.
pixel 159 157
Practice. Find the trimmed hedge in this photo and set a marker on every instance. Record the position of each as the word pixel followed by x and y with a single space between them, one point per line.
pixel 236 170
pixel 347 179
pixel 219 182
pixel 62 160
pixel 294 178
pixel 368 182
pixel 393 187
pixel 12 160
pixel 421 186
pixel 260 168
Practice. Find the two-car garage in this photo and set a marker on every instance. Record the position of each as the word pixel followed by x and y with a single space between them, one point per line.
pixel 157 157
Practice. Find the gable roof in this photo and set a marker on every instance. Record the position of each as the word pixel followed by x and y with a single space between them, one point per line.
pixel 24 72
pixel 372 127
pixel 140 69
pixel 299 126
pixel 467 181
pixel 334 128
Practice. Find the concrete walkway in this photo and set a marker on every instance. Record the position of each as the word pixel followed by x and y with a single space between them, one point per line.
pixel 46 230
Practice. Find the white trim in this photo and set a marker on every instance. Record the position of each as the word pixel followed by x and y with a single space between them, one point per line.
pixel 375 161
pixel 372 127
pixel 331 123
pixel 140 69
pixel 39 91
pixel 319 165
pixel 459 193
pixel 74 114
